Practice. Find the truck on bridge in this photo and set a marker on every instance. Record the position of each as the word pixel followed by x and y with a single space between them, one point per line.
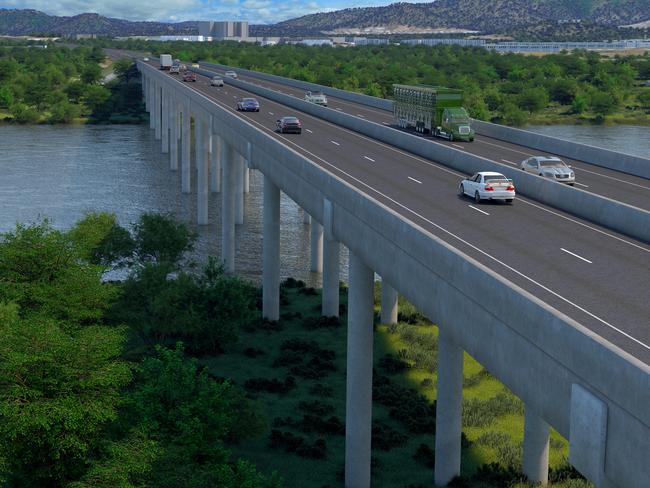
pixel 432 109
pixel 165 61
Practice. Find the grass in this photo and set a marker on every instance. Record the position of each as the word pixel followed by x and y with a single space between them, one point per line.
pixel 495 415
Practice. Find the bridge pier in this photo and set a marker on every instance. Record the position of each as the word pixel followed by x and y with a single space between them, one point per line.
pixel 358 405
pixel 157 111
pixel 239 166
pixel 173 134
pixel 150 103
pixel 247 177
pixel 331 249
pixel 316 247
pixel 215 163
pixel 201 147
pixel 165 121
pixel 271 251
pixel 536 444
pixel 186 183
pixel 228 208
pixel 306 218
pixel 448 409
pixel 388 303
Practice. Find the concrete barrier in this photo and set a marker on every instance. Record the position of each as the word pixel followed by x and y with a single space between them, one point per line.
pixel 538 352
pixel 604 211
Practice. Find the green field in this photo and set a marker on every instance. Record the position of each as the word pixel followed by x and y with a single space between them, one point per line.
pixel 493 420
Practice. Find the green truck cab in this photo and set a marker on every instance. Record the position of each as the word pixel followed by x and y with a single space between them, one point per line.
pixel 432 109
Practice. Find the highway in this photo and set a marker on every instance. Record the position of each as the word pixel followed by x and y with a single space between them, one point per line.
pixel 595 276
pixel 618 186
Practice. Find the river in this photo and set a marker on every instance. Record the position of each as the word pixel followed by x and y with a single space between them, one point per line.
pixel 60 172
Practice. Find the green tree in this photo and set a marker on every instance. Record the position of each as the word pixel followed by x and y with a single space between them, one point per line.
pixel 602 103
pixel 644 98
pixel 579 104
pixel 64 113
pixel 95 97
pixel 24 114
pixel 91 74
pixel 533 99
pixel 122 69
pixel 564 90
pixel 6 97
pixel 161 238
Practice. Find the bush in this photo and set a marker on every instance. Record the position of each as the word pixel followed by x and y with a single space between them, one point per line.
pixel 480 413
pixel 389 364
pixel 306 358
pixel 297 444
pixel 161 238
pixel 271 386
pixel 385 438
pixel 406 406
pixel 425 456
pixel 312 323
pixel 23 114
pixel 292 283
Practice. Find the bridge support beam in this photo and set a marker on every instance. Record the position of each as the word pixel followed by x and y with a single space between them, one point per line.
pixel 388 303
pixel 165 120
pixel 157 111
pixel 173 134
pixel 228 208
pixel 150 103
pixel 358 406
pixel 316 247
pixel 247 177
pixel 536 442
pixel 215 163
pixel 306 218
pixel 186 181
pixel 331 249
pixel 448 409
pixel 202 162
pixel 271 252
pixel 239 188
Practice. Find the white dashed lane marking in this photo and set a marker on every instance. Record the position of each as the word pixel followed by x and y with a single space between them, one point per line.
pixel 575 255
pixel 335 143
pixel 478 209
pixel 417 181
pixel 509 162
pixel 369 159
pixel 310 131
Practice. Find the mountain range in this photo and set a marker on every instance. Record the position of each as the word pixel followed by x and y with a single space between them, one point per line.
pixel 485 16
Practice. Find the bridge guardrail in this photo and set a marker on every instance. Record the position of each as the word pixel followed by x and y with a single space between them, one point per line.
pixel 617 216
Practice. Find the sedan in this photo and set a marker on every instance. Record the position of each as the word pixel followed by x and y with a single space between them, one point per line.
pixel 549 167
pixel 289 124
pixel 248 105
pixel 488 185
pixel 216 81
pixel 231 74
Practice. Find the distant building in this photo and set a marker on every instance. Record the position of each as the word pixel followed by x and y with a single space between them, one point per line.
pixel 364 41
pixel 223 30
pixel 85 36
pixel 183 38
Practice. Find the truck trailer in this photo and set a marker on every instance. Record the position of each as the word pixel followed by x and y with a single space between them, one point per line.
pixel 432 109
pixel 165 61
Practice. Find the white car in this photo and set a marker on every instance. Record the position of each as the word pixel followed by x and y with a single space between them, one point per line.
pixel 145 59
pixel 487 185
pixel 231 74
pixel 316 97
pixel 216 81
pixel 549 167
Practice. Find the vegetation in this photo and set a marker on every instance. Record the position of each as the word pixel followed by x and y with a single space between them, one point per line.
pixel 61 85
pixel 504 88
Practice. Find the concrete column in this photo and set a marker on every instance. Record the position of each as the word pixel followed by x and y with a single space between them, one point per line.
pixel 150 104
pixel 306 218
pixel 228 208
pixel 448 410
pixel 330 305
pixel 215 164
pixel 202 162
pixel 239 189
pixel 316 247
pixel 158 110
pixel 186 181
pixel 271 251
pixel 536 441
pixel 358 403
pixel 165 122
pixel 173 135
pixel 145 92
pixel 388 303
pixel 247 177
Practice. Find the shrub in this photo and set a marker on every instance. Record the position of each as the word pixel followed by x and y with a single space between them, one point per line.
pixel 385 438
pixel 406 406
pixel 271 386
pixel 389 364
pixel 292 283
pixel 480 413
pixel 297 444
pixel 308 291
pixel 311 323
pixel 425 456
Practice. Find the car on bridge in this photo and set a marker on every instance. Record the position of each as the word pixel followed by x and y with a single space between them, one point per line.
pixel 189 76
pixel 289 124
pixel 230 74
pixel 216 81
pixel 316 97
pixel 175 69
pixel 248 105
pixel 487 185
pixel 549 167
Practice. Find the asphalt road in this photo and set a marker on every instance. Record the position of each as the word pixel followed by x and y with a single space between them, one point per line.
pixel 619 186
pixel 595 276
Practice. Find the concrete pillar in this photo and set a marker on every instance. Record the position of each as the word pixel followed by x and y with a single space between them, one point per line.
pixel 157 111
pixel 145 92
pixel 228 208
pixel 202 162
pixel 388 303
pixel 306 218
pixel 271 251
pixel 358 402
pixel 165 121
pixel 247 177
pixel 215 164
pixel 173 135
pixel 448 409
pixel 330 305
pixel 152 114
pixel 239 189
pixel 536 441
pixel 186 181
pixel 316 247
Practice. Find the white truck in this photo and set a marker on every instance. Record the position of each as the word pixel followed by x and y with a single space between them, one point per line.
pixel 316 97
pixel 165 61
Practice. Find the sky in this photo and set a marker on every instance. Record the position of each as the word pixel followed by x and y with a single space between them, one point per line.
pixel 254 11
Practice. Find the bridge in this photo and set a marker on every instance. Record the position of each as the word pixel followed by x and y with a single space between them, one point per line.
pixel 549 295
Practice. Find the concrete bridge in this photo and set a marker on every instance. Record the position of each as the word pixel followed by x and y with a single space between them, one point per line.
pixel 584 373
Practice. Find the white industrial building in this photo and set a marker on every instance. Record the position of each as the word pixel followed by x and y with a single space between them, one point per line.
pixel 220 30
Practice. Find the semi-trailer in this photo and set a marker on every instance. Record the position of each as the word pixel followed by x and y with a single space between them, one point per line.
pixel 165 61
pixel 432 109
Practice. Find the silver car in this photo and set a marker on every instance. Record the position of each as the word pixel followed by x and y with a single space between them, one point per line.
pixel 216 81
pixel 549 167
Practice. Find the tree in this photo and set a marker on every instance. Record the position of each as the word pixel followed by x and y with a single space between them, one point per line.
pixel 564 90
pixel 579 104
pixel 6 97
pixel 24 114
pixel 91 74
pixel 57 391
pixel 95 97
pixel 161 238
pixel 64 113
pixel 122 69
pixel 602 103
pixel 644 98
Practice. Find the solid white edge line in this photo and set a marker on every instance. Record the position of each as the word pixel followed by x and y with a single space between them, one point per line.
pixel 369 159
pixel 575 255
pixel 478 209
pixel 509 162
pixel 458 145
pixel 460 239
pixel 271 113
pixel 413 179
pixel 310 131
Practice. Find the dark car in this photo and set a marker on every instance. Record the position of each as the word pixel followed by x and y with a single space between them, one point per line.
pixel 189 76
pixel 289 124
pixel 248 105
